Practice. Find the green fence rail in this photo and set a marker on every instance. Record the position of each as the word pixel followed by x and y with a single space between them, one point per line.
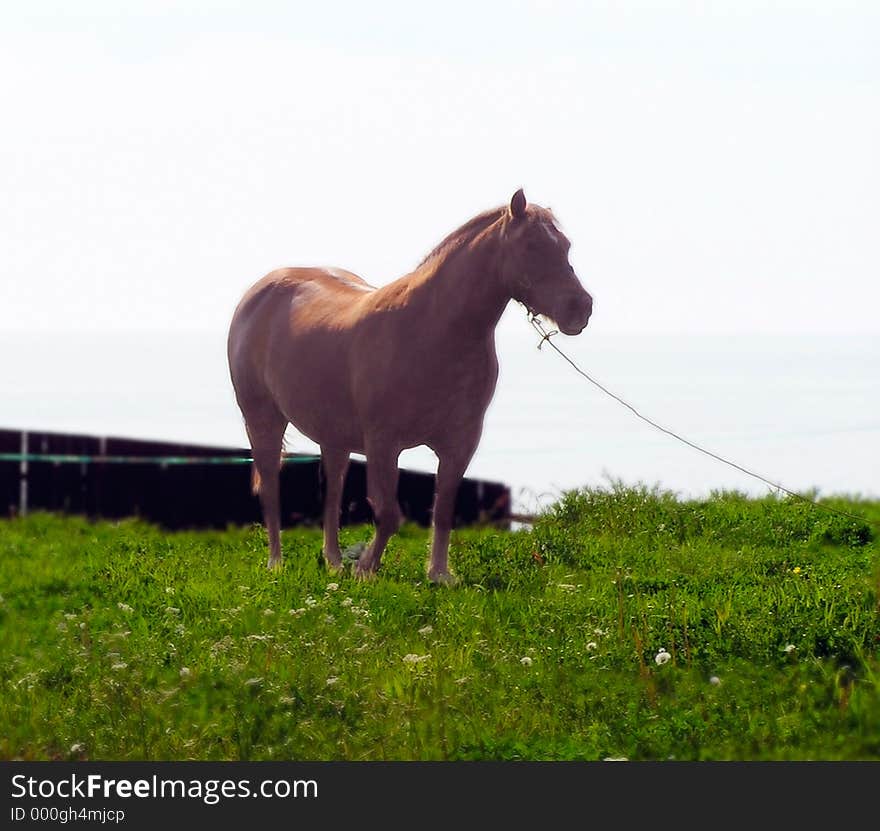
pixel 73 458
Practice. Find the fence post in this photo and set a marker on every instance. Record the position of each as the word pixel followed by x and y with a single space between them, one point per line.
pixel 23 473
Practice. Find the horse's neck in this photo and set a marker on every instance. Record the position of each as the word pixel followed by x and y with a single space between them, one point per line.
pixel 463 295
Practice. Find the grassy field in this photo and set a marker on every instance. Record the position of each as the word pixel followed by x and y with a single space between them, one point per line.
pixel 626 623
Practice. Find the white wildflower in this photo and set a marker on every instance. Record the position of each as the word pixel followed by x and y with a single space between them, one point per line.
pixel 333 679
pixel 790 648
pixel 77 747
pixel 310 601
pixel 125 608
pixel 591 646
pixel 413 659
pixel 268 612
pixel 662 657
pixel 332 587
pixel 297 612
pixel 426 630
pixel 254 683
pixel 347 602
pixel 526 661
pixel 185 672
pixel 715 681
pixel 172 610
pixel 119 666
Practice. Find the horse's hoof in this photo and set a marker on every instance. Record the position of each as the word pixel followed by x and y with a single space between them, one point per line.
pixel 334 567
pixel 364 573
pixel 274 565
pixel 446 578
pixel 353 553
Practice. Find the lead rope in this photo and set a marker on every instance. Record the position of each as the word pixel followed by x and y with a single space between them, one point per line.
pixel 546 337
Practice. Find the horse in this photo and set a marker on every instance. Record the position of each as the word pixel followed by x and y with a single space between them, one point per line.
pixel 374 371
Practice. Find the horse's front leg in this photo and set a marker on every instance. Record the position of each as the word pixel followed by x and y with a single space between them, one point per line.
pixel 382 474
pixel 450 471
pixel 335 463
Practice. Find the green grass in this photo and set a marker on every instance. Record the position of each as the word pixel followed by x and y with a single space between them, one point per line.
pixel 121 641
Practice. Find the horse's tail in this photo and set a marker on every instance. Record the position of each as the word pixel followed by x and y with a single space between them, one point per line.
pixel 256 481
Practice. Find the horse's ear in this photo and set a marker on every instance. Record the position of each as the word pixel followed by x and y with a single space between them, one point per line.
pixel 518 205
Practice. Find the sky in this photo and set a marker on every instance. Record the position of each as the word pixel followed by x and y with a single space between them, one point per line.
pixel 714 163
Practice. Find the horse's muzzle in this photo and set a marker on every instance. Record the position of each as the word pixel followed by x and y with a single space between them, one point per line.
pixel 575 315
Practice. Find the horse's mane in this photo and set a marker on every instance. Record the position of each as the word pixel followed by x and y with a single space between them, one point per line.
pixel 463 235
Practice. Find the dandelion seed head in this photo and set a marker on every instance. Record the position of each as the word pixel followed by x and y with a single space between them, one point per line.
pixel 662 657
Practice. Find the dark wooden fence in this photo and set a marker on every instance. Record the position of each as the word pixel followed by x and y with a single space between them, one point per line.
pixel 202 495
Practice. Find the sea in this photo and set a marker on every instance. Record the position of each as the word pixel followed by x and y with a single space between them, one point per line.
pixel 800 411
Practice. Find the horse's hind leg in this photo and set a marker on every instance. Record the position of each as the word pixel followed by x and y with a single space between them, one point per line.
pixel 265 427
pixel 335 463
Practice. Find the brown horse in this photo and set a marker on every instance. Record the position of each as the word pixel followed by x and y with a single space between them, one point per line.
pixel 369 370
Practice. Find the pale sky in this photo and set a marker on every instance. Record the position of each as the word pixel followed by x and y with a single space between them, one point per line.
pixel 714 163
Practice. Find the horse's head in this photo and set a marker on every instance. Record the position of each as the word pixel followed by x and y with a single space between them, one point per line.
pixel 535 267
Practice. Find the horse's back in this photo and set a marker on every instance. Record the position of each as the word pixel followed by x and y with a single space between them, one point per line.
pixel 315 292
pixel 289 342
